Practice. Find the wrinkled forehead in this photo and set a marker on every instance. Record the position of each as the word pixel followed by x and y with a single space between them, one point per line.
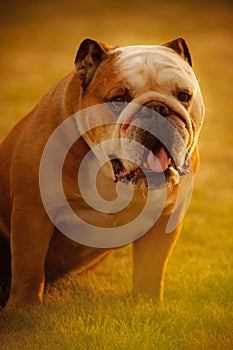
pixel 138 63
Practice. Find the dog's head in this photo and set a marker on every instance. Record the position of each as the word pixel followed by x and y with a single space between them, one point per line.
pixel 152 108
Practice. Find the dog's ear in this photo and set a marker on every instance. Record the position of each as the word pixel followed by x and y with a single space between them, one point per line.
pixel 180 47
pixel 89 56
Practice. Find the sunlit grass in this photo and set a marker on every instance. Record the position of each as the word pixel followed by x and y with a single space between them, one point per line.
pixel 96 310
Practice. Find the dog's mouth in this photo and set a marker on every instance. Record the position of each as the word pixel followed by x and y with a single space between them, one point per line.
pixel 156 170
pixel 156 151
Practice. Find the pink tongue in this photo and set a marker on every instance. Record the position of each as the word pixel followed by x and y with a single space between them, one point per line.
pixel 159 162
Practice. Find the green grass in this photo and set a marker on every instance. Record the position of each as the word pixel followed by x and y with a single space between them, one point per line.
pixel 96 310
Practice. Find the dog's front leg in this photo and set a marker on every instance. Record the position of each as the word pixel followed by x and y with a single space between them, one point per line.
pixel 31 232
pixel 150 255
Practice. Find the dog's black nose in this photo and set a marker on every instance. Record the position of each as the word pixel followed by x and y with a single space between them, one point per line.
pixel 150 107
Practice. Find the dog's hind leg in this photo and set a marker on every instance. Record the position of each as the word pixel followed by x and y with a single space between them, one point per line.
pixel 5 270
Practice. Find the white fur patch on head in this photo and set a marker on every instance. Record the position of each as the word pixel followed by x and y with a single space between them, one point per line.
pixel 155 67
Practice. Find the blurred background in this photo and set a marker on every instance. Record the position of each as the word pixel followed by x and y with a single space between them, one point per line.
pixel 38 44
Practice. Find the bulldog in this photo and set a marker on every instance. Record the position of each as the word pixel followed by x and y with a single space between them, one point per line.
pixel 138 113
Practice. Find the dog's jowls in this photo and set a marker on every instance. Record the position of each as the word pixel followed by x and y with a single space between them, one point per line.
pixel 141 89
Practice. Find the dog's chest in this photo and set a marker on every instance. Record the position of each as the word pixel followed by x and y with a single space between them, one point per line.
pixel 113 205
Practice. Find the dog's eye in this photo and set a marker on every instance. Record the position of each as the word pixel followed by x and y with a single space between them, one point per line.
pixel 184 96
pixel 118 103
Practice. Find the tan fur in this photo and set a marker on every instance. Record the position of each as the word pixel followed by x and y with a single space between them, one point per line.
pixel 37 248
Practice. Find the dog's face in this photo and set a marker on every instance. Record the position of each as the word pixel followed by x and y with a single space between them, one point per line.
pixel 151 108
